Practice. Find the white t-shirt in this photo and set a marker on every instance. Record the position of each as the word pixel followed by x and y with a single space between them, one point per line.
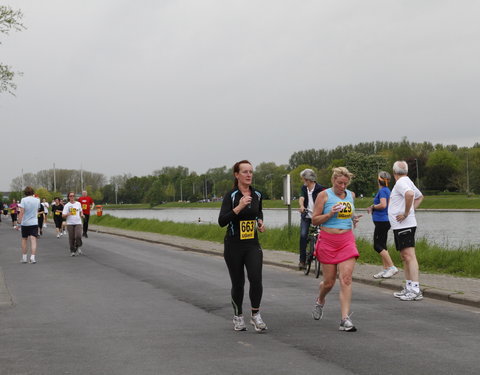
pixel 396 205
pixel 311 203
pixel 74 208
pixel 30 207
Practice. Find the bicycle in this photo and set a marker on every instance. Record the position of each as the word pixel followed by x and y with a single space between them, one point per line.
pixel 311 241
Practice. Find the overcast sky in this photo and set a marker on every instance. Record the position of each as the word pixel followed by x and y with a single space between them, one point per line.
pixel 120 86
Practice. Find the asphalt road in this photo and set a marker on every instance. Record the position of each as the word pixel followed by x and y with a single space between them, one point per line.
pixel 131 307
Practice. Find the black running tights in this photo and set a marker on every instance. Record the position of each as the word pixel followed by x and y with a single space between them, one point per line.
pixel 239 256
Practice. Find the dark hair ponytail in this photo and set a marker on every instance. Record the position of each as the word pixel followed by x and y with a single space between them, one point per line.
pixel 236 169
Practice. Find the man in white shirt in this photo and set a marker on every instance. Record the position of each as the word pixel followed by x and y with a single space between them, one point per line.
pixel 73 214
pixel 28 219
pixel 404 200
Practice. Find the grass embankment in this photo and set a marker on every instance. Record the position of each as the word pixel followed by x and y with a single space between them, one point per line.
pixel 432 258
pixel 458 202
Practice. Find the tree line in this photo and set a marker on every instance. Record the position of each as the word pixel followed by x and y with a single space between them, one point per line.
pixel 435 168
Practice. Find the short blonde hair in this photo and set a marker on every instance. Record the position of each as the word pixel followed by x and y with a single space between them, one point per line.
pixel 341 172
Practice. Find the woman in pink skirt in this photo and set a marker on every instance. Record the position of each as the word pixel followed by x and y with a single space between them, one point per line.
pixel 336 249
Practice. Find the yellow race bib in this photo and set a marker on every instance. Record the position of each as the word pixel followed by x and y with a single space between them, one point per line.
pixel 73 211
pixel 57 212
pixel 347 212
pixel 84 206
pixel 247 229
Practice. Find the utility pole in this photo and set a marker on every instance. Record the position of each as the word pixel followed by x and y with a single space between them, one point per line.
pixel 54 179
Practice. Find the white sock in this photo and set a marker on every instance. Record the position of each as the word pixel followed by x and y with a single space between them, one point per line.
pixel 24 257
pixel 408 284
pixel 415 286
pixel 32 258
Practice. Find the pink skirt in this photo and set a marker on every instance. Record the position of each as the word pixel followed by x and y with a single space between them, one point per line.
pixel 335 248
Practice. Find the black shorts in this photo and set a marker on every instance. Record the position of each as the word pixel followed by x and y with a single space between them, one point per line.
pixel 404 238
pixel 380 235
pixel 58 221
pixel 14 217
pixel 29 230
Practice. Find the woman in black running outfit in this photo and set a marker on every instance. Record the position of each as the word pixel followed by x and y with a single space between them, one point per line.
pixel 242 212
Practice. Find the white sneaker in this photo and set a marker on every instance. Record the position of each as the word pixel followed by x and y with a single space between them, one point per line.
pixel 58 235
pixel 401 293
pixel 379 275
pixel 32 261
pixel 412 296
pixel 239 323
pixel 79 251
pixel 347 325
pixel 390 272
pixel 258 323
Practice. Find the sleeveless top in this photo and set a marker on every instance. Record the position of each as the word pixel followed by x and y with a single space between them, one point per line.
pixel 342 219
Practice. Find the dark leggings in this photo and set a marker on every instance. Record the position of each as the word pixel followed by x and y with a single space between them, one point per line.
pixel 380 235
pixel 85 223
pixel 239 256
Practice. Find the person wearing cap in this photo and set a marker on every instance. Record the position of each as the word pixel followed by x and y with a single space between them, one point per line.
pixel 379 212
pixel 310 190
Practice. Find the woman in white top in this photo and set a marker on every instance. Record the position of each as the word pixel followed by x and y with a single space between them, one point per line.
pixel 72 212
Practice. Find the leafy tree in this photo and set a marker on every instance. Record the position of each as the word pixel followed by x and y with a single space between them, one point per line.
pixel 442 168
pixel 18 195
pixel 156 194
pixel 10 20
pixel 365 168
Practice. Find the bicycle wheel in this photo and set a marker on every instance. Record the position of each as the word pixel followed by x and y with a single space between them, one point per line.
pixel 310 257
pixel 308 265
pixel 317 268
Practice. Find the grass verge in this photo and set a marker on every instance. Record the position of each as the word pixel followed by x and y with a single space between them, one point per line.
pixel 432 258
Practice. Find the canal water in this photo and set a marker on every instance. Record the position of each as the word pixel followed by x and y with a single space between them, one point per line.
pixel 449 229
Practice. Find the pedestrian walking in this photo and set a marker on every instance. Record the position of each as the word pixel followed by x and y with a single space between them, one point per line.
pixel 57 209
pixel 404 200
pixel 336 249
pixel 379 212
pixel 41 219
pixel 242 213
pixel 28 220
pixel 73 214
pixel 87 205
pixel 309 193
pixel 46 205
pixel 14 212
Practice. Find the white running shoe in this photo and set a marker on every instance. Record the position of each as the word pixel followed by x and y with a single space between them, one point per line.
pixel 72 254
pixel 401 293
pixel 317 311
pixel 79 251
pixel 412 296
pixel 58 235
pixel 239 323
pixel 258 323
pixel 379 275
pixel 390 272
pixel 347 325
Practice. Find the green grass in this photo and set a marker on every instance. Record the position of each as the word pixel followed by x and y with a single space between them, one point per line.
pixel 432 258
pixel 458 202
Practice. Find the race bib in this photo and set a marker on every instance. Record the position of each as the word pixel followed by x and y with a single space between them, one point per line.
pixel 347 212
pixel 57 212
pixel 73 211
pixel 84 206
pixel 247 229
pixel 12 211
